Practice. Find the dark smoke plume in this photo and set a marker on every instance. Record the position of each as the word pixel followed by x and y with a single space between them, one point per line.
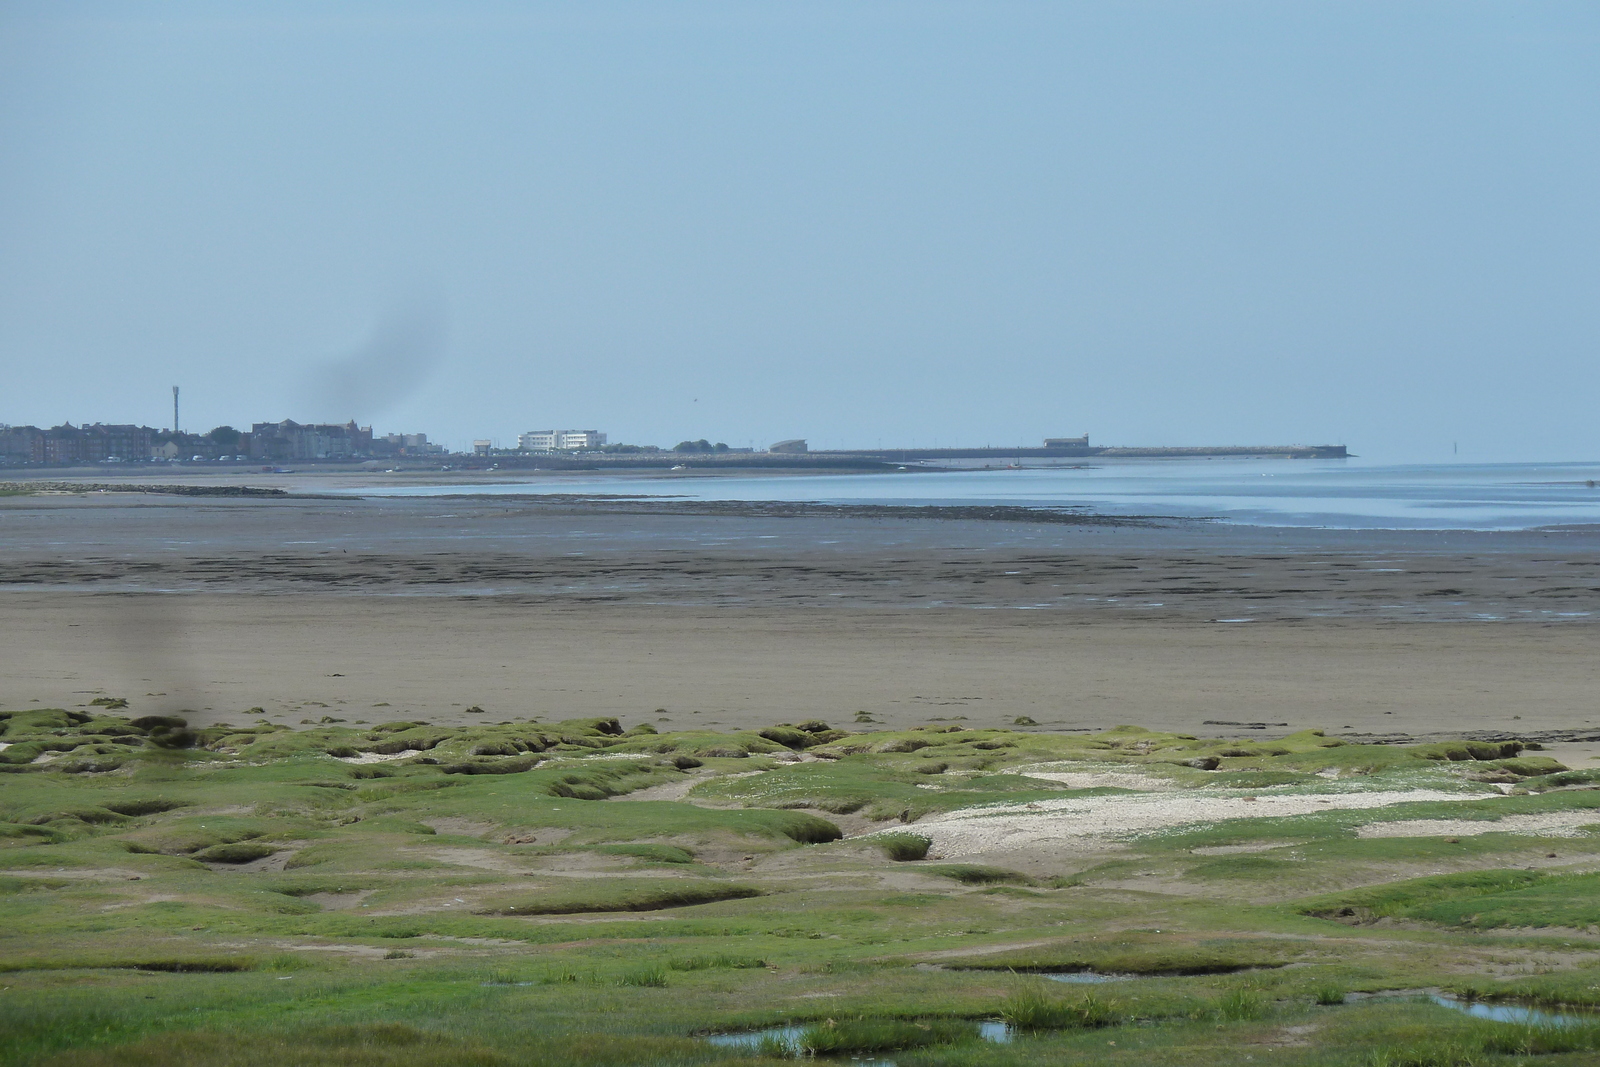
pixel 405 347
pixel 150 633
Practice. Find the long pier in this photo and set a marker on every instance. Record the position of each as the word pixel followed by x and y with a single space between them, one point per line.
pixel 1003 455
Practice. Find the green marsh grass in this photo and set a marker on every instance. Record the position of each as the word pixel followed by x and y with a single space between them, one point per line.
pixel 652 977
pixel 903 847
pixel 721 959
pixel 1034 1006
pixel 619 895
pixel 1150 955
pixel 125 939
pixel 976 874
pixel 650 853
pixel 1240 1004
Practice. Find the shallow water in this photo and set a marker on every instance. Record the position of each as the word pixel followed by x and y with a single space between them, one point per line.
pixel 1086 977
pixel 789 1037
pixel 1511 1013
pixel 1333 494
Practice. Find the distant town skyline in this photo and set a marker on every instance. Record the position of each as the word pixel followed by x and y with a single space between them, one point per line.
pixel 288 441
pixel 568 438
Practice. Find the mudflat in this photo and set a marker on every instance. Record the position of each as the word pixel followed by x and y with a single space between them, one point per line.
pixel 377 608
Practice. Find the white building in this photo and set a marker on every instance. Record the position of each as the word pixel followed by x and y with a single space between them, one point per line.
pixel 538 440
pixel 582 439
pixel 560 440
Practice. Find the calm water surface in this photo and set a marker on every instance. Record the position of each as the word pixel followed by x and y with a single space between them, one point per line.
pixel 1337 494
pixel 1513 1013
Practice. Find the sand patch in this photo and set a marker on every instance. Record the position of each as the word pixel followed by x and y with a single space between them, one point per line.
pixel 756 653
pixel 1236 850
pixel 984 950
pixel 1103 780
pixel 337 902
pixel 376 757
pixel 457 826
pixel 121 873
pixel 550 835
pixel 481 858
pixel 366 952
pixel 1072 824
pixel 666 791
pixel 156 898
pixel 1548 824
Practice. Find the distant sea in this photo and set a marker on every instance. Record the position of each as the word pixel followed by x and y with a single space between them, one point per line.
pixel 1332 494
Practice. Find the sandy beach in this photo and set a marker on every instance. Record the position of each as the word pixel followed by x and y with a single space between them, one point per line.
pixel 383 609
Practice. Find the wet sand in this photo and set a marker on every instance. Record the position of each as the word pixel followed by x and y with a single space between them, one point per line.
pixel 309 607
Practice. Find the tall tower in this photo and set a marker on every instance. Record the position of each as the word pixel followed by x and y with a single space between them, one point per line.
pixel 174 409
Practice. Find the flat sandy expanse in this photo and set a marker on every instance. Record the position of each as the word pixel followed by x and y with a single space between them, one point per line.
pixel 308 608
pixel 430 657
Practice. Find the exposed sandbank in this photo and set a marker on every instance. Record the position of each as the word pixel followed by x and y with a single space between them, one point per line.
pixel 426 607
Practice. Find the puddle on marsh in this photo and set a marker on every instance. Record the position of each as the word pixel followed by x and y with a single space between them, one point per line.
pixel 1479 1009
pixel 788 1037
pixel 1512 1013
pixel 1084 977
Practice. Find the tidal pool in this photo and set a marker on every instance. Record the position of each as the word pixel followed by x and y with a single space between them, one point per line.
pixel 1514 1013
pixel 788 1038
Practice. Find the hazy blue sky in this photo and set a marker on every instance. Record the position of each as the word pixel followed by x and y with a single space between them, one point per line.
pixel 1161 223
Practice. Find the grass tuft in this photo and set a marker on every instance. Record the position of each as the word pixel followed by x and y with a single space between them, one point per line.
pixel 650 853
pixel 721 959
pixel 1241 1005
pixel 652 977
pixel 903 847
pixel 632 894
pixel 1537 1039
pixel 856 1036
pixel 1431 1054
pixel 978 874
pixel 1033 1006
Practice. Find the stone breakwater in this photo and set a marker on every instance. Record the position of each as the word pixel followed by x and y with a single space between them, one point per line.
pixel 121 487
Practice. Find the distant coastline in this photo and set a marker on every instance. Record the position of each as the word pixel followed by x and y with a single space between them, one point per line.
pixel 266 446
